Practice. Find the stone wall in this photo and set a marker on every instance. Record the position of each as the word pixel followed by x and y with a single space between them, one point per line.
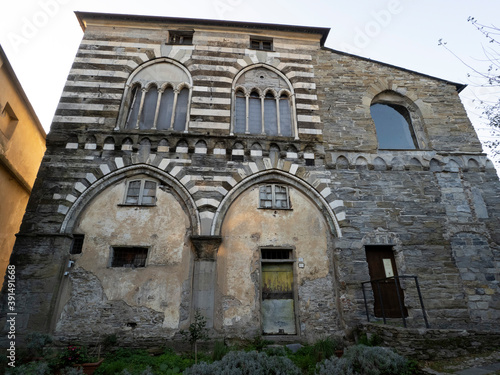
pixel 433 344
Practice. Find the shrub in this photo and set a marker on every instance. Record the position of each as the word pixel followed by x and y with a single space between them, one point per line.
pixel 36 343
pixel 136 362
pixel 373 340
pixel 365 360
pixel 220 350
pixel 32 368
pixel 246 363
pixel 72 371
pixel 258 344
pixel 326 347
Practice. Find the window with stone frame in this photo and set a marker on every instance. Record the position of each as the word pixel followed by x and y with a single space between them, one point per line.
pixel 263 104
pixel 398 122
pixel 180 37
pixel 131 257
pixel 157 98
pixel 274 196
pixel 140 193
pixel 264 44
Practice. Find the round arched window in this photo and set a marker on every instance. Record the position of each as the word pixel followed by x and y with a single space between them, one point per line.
pixel 393 125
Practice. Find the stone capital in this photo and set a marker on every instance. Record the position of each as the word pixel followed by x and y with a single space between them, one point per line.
pixel 206 246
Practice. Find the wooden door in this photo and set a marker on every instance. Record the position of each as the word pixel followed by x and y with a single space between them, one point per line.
pixel 382 265
pixel 278 312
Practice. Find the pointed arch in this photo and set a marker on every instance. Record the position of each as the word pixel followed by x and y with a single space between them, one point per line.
pixel 280 177
pixel 112 178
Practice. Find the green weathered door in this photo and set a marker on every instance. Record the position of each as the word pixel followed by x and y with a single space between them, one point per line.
pixel 278 316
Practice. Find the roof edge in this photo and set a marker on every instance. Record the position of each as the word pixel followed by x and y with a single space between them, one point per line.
pixel 458 86
pixel 20 90
pixel 323 31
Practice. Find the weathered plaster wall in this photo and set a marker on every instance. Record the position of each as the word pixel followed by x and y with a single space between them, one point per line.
pixel 246 229
pixel 157 290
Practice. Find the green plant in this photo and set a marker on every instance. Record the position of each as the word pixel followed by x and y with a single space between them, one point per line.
pixel 276 351
pixel 137 361
pixel 74 354
pixel 196 332
pixel 72 371
pixel 371 340
pixel 147 371
pixel 32 368
pixel 36 343
pixel 258 344
pixel 246 363
pixel 220 350
pixel 326 347
pixel 365 360
pixel 109 340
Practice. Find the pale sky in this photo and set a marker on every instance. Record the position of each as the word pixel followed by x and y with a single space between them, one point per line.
pixel 41 37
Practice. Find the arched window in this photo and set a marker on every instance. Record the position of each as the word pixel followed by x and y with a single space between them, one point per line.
pixel 157 97
pixel 393 124
pixel 398 122
pixel 263 103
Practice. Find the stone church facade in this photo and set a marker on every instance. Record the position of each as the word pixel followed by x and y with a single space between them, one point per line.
pixel 250 173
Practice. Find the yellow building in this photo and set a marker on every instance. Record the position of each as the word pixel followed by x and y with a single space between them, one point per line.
pixel 22 145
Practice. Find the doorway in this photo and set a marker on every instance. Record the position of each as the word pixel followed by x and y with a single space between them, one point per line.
pixel 277 290
pixel 382 267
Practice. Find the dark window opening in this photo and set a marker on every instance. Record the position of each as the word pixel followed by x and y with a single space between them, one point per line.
pixel 77 244
pixel 310 162
pixel 176 37
pixel 276 254
pixel 262 44
pixel 393 125
pixel 129 257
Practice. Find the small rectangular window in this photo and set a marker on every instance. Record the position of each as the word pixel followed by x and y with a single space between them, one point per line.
pixel 276 254
pixel 180 37
pixel 129 257
pixel 77 244
pixel 274 196
pixel 261 43
pixel 141 192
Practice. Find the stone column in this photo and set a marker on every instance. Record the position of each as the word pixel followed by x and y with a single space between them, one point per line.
pixel 204 278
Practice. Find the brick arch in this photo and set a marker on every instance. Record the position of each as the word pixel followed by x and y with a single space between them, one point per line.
pixel 112 178
pixel 283 177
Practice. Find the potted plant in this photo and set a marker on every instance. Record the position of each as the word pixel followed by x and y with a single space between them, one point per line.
pixel 339 347
pixel 76 356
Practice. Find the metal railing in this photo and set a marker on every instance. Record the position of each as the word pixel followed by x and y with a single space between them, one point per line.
pixel 401 306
